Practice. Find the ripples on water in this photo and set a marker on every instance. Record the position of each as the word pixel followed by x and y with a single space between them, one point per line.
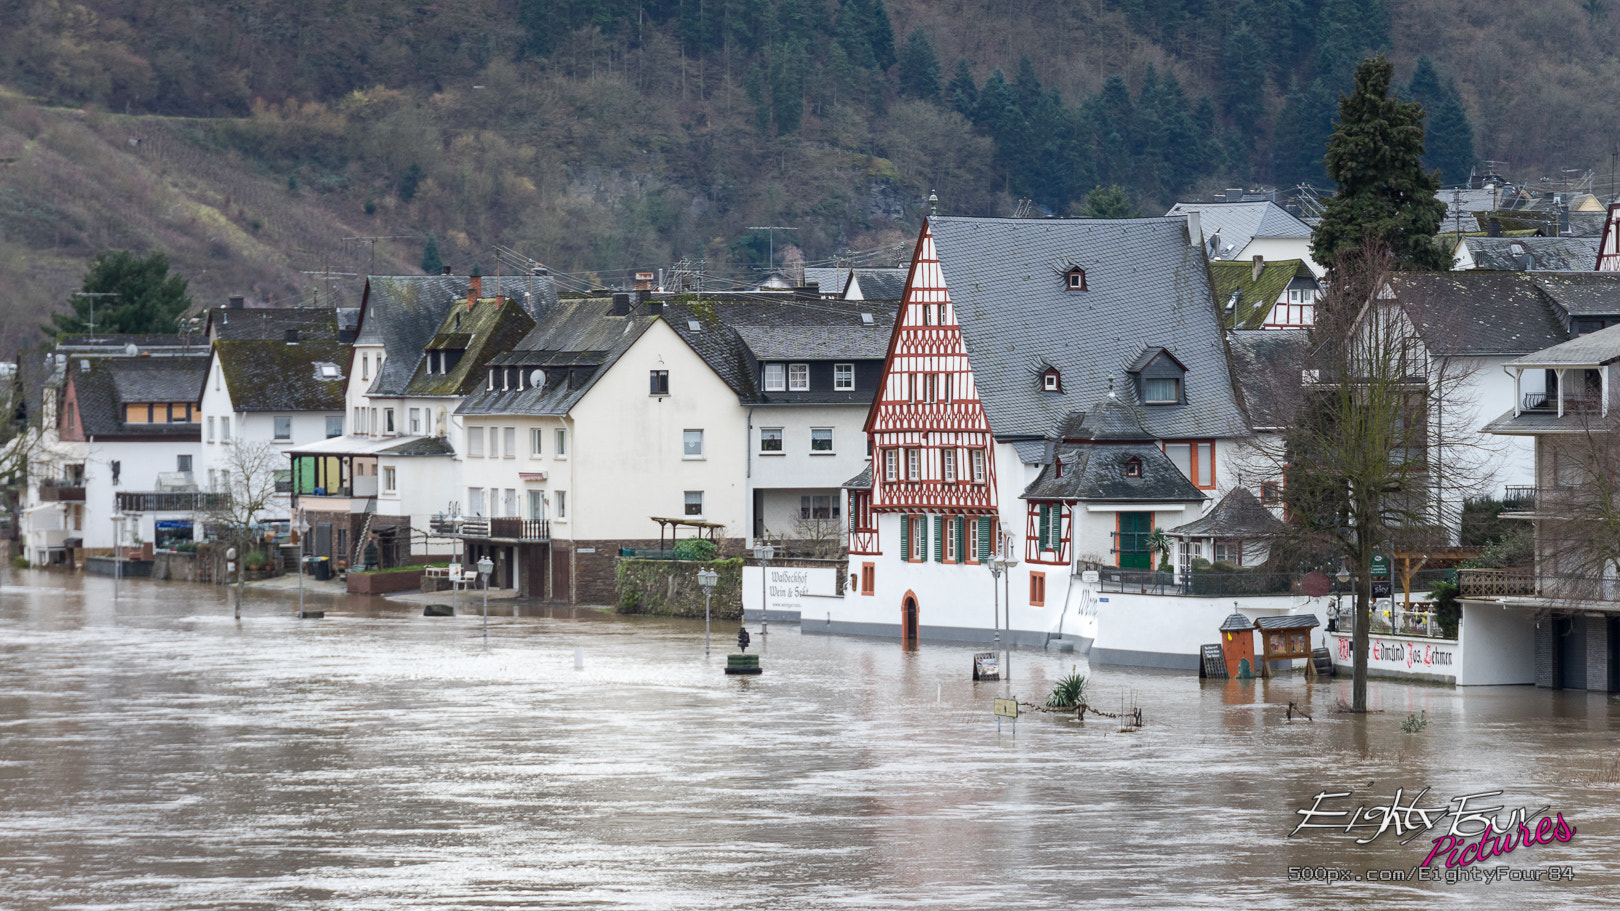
pixel 157 754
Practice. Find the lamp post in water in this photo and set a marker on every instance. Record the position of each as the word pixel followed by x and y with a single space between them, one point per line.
pixel 118 518
pixel 303 529
pixel 764 553
pixel 707 579
pixel 485 567
pixel 1007 564
pixel 994 565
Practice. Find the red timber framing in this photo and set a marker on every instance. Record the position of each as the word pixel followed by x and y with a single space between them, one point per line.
pixel 1047 534
pixel 863 528
pixel 1608 258
pixel 931 442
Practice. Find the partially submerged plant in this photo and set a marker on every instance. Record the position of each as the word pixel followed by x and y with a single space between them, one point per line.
pixel 1070 692
pixel 1415 723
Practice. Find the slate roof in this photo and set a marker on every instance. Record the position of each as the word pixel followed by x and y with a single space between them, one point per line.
pixel 1254 297
pixel 1478 312
pixel 275 375
pixel 1539 254
pixel 1237 515
pixel 401 313
pixel 1582 293
pixel 1236 623
pixel 1267 365
pixel 727 332
pixel 1148 287
pixel 574 342
pixel 862 481
pixel 103 386
pixel 116 345
pixel 487 328
pixel 873 284
pixel 1238 223
pixel 1108 421
pixel 1097 471
pixel 1590 350
pixel 1288 621
pixel 271 323
pixel 1530 423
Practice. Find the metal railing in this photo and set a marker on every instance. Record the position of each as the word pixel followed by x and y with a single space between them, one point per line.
pixel 1193 584
pixel 172 501
pixel 1519 498
pixel 485 528
pixel 56 490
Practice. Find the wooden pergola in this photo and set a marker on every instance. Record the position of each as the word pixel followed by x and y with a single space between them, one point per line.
pixel 673 526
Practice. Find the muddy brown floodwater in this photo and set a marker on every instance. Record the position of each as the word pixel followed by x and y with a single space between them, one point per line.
pixel 157 754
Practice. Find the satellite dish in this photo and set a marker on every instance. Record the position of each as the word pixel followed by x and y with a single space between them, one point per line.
pixel 439 418
pixel 537 379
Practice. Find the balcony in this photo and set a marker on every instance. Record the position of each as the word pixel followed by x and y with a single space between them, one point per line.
pixel 1519 499
pixel 60 491
pixel 1497 583
pixel 172 501
pixel 487 529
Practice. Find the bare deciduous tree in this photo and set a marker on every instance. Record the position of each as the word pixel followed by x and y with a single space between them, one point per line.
pixel 248 479
pixel 1578 510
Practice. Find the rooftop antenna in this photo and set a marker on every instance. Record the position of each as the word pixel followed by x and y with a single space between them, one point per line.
pixel 90 324
pixel 771 266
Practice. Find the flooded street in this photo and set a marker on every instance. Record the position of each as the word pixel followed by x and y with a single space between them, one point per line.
pixel 157 754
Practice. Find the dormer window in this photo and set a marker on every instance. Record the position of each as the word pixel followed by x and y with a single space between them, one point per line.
pixel 1051 380
pixel 1057 464
pixel 1076 278
pixel 1133 467
pixel 1161 391
pixel 1159 378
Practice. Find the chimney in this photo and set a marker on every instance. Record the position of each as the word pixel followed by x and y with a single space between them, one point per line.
pixel 475 290
pixel 539 270
pixel 655 306
pixel 292 336
pixel 1195 229
pixel 446 270
pixel 1258 267
pixel 621 304
pixel 644 281
pixel 1493 228
pixel 237 302
pixel 1234 194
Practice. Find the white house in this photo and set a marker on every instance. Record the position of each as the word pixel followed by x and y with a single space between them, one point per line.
pixel 1240 231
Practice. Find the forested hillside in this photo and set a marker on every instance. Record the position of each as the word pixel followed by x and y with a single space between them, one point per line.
pixel 608 135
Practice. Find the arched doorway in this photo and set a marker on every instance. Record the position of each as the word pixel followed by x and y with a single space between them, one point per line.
pixel 908 621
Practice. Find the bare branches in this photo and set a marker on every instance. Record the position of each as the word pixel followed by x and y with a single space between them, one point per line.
pixel 1578 511
pixel 250 470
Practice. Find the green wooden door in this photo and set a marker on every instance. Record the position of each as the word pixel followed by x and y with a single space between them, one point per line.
pixel 1131 542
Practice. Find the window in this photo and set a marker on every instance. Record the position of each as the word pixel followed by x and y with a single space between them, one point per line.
pixel 509 438
pixel 388 420
pixel 390 477
pixel 775 378
pixel 913 464
pixel 1051 380
pixel 821 440
pixel 929 387
pixel 475 442
pixel 1077 280
pixel 537 505
pixel 978 466
pixel 928 314
pixel 891 462
pixel 1133 468
pixel 1037 589
pixel 511 503
pixel 210 428
pixel 691 444
pixel 868 579
pixel 1161 390
pixel 283 426
pixel 953 531
pixel 770 440
pixel 843 377
pixel 1196 460
pixel 334 425
pixel 475 501
pixel 359 424
pixel 798 377
pixel 374 424
pixel 561 498
pixel 1270 492
pixel 949 465
pixel 562 443
pixel 536 437
pixel 914 538
pixel 182 463
pixel 224 430
pixel 365 366
pixel 658 381
pixel 819 507
pixel 494 442
pixel 694 502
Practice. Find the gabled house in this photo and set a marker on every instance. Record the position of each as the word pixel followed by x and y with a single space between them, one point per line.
pixel 858 284
pixel 1266 295
pixel 1054 390
pixel 1240 231
pixel 1583 301
pixel 1523 254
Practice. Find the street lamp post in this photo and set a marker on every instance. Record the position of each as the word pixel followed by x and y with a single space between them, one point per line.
pixel 994 565
pixel 230 567
pixel 707 579
pixel 1007 564
pixel 118 540
pixel 764 553
pixel 1343 575
pixel 303 529
pixel 485 567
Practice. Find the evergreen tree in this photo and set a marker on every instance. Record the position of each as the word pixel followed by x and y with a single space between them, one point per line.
pixel 1449 136
pixel 919 67
pixel 1385 197
pixel 962 93
pixel 432 263
pixel 1243 79
pixel 880 34
pixel 1300 137
pixel 1109 202
pixel 147 298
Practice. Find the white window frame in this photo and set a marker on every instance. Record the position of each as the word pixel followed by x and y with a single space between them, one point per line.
pixel 329 419
pixel 224 430
pixel 977 459
pixel 509 442
pixel 537 439
pixel 948 465
pixel 475 441
pixel 494 442
pixel 913 464
pixel 780 440
pixel 415 418
pixel 537 505
pixel 692 445
pixel 275 428
pixel 559 499
pixel 843 377
pixel 830 441
pixel 686 503
pixel 1147 384
pixel 775 377
pixel 388 421
pixel 210 428
pixel 891 464
pixel 561 444
pixel 390 478
pixel 798 378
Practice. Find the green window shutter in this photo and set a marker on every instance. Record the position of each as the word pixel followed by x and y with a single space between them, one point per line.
pixel 1056 524
pixel 961 539
pixel 939 539
pixel 905 537
pixel 1044 532
pixel 984 539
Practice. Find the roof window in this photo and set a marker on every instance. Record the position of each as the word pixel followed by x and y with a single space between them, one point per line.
pixel 1076 279
pixel 1051 380
pixel 1133 467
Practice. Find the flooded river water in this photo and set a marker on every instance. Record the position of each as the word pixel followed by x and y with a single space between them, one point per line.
pixel 157 754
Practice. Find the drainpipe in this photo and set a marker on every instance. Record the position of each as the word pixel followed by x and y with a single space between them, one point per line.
pixel 748 472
